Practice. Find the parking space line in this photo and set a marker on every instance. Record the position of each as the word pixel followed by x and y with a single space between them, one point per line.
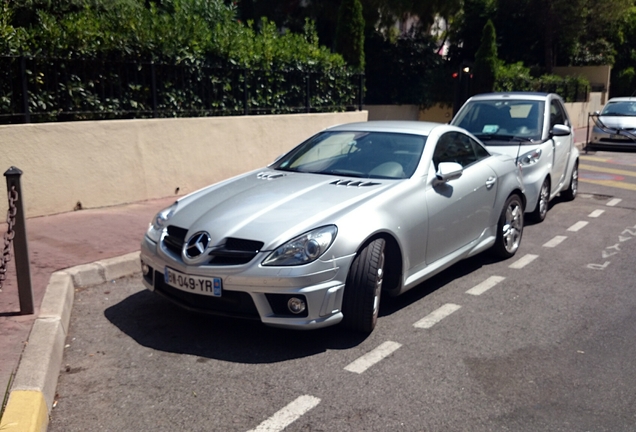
pixel 485 285
pixel 287 415
pixel 436 316
pixel 369 359
pixel 612 203
pixel 577 226
pixel 557 240
pixel 596 213
pixel 523 261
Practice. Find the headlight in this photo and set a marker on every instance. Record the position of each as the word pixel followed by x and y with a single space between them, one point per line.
pixel 530 158
pixel 303 249
pixel 160 221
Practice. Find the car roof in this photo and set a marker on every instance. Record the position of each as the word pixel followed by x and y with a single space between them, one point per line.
pixel 622 99
pixel 514 96
pixel 396 126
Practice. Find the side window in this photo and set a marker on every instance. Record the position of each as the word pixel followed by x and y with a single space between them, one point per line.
pixel 458 147
pixel 557 114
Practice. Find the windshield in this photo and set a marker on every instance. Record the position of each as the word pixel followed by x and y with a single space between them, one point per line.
pixel 626 108
pixel 356 154
pixel 503 121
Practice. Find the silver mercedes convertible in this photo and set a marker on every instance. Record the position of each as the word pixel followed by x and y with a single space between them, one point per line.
pixel 315 238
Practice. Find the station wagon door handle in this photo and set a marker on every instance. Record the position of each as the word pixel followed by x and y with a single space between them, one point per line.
pixel 490 182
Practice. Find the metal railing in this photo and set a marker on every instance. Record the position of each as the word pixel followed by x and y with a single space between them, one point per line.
pixel 37 89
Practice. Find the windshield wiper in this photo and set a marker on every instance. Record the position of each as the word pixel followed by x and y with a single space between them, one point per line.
pixel 491 137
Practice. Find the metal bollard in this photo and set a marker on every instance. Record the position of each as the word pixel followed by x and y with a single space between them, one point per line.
pixel 20 247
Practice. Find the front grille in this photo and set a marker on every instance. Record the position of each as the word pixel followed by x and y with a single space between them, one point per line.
pixel 235 252
pixel 231 303
pixel 174 239
pixel 232 251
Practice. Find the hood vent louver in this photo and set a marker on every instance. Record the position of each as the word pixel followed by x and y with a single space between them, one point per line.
pixel 354 183
pixel 269 175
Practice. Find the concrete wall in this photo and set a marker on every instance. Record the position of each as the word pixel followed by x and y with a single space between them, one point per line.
pixel 598 76
pixel 104 163
pixel 578 111
pixel 437 113
pixel 393 112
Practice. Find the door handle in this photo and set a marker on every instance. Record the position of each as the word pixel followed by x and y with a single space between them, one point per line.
pixel 490 182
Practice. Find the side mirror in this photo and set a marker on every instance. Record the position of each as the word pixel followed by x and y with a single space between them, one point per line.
pixel 561 130
pixel 447 171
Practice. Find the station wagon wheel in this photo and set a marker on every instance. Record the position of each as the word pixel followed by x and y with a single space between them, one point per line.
pixel 361 301
pixel 541 210
pixel 509 228
pixel 570 193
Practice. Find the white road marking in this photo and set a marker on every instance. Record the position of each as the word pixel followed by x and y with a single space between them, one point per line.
pixel 612 203
pixel 436 316
pixel 577 226
pixel 369 359
pixel 557 240
pixel 596 213
pixel 523 261
pixel 287 415
pixel 485 285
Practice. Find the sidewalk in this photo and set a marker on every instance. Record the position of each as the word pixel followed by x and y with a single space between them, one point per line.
pixel 62 241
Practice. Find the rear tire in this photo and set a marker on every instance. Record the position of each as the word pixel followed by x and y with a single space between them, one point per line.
pixel 570 193
pixel 509 228
pixel 361 301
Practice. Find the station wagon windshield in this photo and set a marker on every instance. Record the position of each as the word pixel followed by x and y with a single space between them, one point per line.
pixel 502 121
pixel 620 109
pixel 356 154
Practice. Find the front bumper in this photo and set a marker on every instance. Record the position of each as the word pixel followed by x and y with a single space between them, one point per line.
pixel 252 291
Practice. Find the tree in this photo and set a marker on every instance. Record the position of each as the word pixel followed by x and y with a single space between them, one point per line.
pixel 486 60
pixel 350 33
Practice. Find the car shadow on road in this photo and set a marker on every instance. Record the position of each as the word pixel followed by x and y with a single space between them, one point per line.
pixel 155 323
pixel 390 305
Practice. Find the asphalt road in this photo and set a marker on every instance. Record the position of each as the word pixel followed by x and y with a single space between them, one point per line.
pixel 543 341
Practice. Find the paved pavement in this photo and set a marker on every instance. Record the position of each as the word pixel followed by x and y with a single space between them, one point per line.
pixel 66 241
pixel 60 242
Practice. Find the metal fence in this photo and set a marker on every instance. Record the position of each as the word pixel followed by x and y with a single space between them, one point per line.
pixel 38 89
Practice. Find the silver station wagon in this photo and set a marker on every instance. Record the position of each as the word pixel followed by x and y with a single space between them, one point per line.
pixel 316 237
pixel 535 129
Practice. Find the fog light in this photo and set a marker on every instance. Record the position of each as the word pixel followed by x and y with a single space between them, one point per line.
pixel 296 305
pixel 145 269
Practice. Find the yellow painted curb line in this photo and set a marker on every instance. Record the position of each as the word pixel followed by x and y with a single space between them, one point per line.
pixel 26 411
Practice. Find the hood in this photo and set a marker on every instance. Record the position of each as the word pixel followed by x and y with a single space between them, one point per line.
pixel 273 206
pixel 511 150
pixel 619 122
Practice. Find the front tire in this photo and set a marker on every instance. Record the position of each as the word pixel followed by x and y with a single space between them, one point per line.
pixel 509 228
pixel 361 301
pixel 570 193
pixel 541 210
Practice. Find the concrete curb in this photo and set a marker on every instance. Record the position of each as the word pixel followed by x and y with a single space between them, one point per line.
pixel 33 391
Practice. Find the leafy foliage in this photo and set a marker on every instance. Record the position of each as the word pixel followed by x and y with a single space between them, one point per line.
pixel 350 33
pixel 202 39
pixel 407 71
pixel 517 77
pixel 486 60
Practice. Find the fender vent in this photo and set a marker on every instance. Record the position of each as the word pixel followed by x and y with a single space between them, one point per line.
pixel 269 175
pixel 354 183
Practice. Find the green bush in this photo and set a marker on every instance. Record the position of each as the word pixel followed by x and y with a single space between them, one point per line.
pixel 517 77
pixel 202 37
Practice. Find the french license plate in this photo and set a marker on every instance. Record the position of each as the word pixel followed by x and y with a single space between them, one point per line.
pixel 616 137
pixel 210 286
